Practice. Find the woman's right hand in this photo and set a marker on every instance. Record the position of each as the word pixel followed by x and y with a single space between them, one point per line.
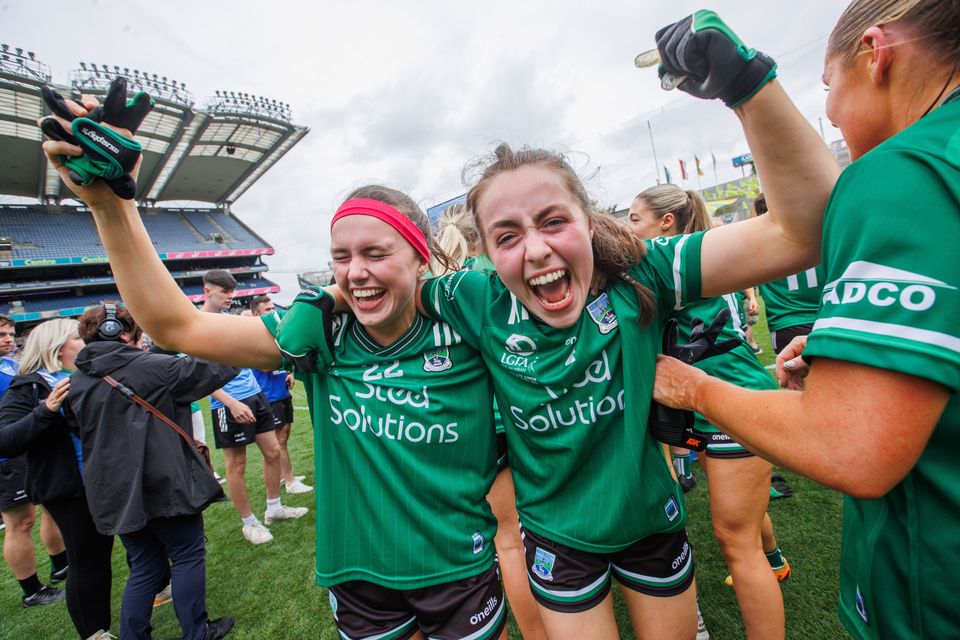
pixel 98 192
pixel 792 369
pixel 57 396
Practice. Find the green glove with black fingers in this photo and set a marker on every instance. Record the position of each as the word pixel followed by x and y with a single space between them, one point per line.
pixel 305 335
pixel 713 59
pixel 107 154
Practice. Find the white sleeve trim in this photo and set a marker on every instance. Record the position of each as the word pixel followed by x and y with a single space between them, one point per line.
pixel 677 280
pixel 933 338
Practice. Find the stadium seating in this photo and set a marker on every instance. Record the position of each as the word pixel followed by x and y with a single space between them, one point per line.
pixel 39 233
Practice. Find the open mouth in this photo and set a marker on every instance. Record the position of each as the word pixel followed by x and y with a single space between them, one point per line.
pixel 552 289
pixel 368 298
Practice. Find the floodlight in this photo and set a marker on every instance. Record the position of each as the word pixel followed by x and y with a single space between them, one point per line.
pixel 19 51
pixel 83 65
pixel 30 54
pixel 5 47
pixel 116 69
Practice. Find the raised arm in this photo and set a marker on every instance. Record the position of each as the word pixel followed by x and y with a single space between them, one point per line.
pixel 148 289
pixel 796 167
pixel 798 172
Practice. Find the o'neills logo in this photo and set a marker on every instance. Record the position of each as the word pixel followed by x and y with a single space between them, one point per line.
pixel 99 139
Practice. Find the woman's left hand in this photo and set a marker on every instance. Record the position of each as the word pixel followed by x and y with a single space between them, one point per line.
pixel 676 383
pixel 57 396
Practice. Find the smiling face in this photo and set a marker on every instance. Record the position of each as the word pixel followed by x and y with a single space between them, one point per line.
pixel 537 235
pixel 377 270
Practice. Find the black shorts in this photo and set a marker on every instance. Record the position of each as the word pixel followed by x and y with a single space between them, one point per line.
pixel 782 338
pixel 282 411
pixel 228 433
pixel 473 608
pixel 569 580
pixel 13 476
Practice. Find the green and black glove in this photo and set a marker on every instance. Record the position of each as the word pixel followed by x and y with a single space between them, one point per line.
pixel 675 427
pixel 305 335
pixel 713 59
pixel 107 154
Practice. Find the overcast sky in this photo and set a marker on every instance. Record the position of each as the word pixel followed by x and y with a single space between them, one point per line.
pixel 406 93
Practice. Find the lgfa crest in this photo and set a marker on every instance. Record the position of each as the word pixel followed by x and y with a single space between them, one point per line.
pixel 437 360
pixel 601 311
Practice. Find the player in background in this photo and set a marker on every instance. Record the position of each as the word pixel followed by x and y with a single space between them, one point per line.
pixel 276 387
pixel 738 480
pixel 791 303
pixel 241 416
pixel 877 415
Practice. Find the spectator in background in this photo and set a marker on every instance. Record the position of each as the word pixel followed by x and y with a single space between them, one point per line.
pixel 276 386
pixel 31 423
pixel 19 513
pixel 241 416
pixel 145 481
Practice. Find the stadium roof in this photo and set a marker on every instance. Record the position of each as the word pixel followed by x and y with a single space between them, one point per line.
pixel 209 154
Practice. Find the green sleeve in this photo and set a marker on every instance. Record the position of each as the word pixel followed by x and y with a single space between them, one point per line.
pixel 671 270
pixel 461 300
pixel 891 296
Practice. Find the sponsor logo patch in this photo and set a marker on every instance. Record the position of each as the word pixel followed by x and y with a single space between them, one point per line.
pixel 543 564
pixel 601 312
pixel 882 286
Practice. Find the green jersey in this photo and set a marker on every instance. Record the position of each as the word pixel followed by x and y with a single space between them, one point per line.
pixel 738 366
pixel 891 301
pixel 405 452
pixel 793 300
pixel 575 401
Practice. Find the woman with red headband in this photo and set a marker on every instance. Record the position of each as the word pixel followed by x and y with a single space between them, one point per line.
pixel 405 545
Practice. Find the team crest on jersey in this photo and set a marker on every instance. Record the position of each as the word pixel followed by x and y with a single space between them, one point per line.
pixel 437 360
pixel 601 311
pixel 543 564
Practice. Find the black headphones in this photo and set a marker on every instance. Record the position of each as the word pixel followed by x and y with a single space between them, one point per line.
pixel 110 328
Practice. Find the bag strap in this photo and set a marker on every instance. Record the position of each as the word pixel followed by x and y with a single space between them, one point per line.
pixel 128 392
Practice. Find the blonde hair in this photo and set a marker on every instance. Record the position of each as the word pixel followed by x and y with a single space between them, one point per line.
pixel 936 21
pixel 42 348
pixel 688 208
pixel 615 249
pixel 457 235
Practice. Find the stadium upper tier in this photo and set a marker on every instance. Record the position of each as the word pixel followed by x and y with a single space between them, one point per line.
pixel 65 303
pixel 40 236
pixel 212 153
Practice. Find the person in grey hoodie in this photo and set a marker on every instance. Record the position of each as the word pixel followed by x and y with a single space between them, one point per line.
pixel 145 481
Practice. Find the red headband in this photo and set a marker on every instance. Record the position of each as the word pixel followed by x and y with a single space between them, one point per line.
pixel 382 211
